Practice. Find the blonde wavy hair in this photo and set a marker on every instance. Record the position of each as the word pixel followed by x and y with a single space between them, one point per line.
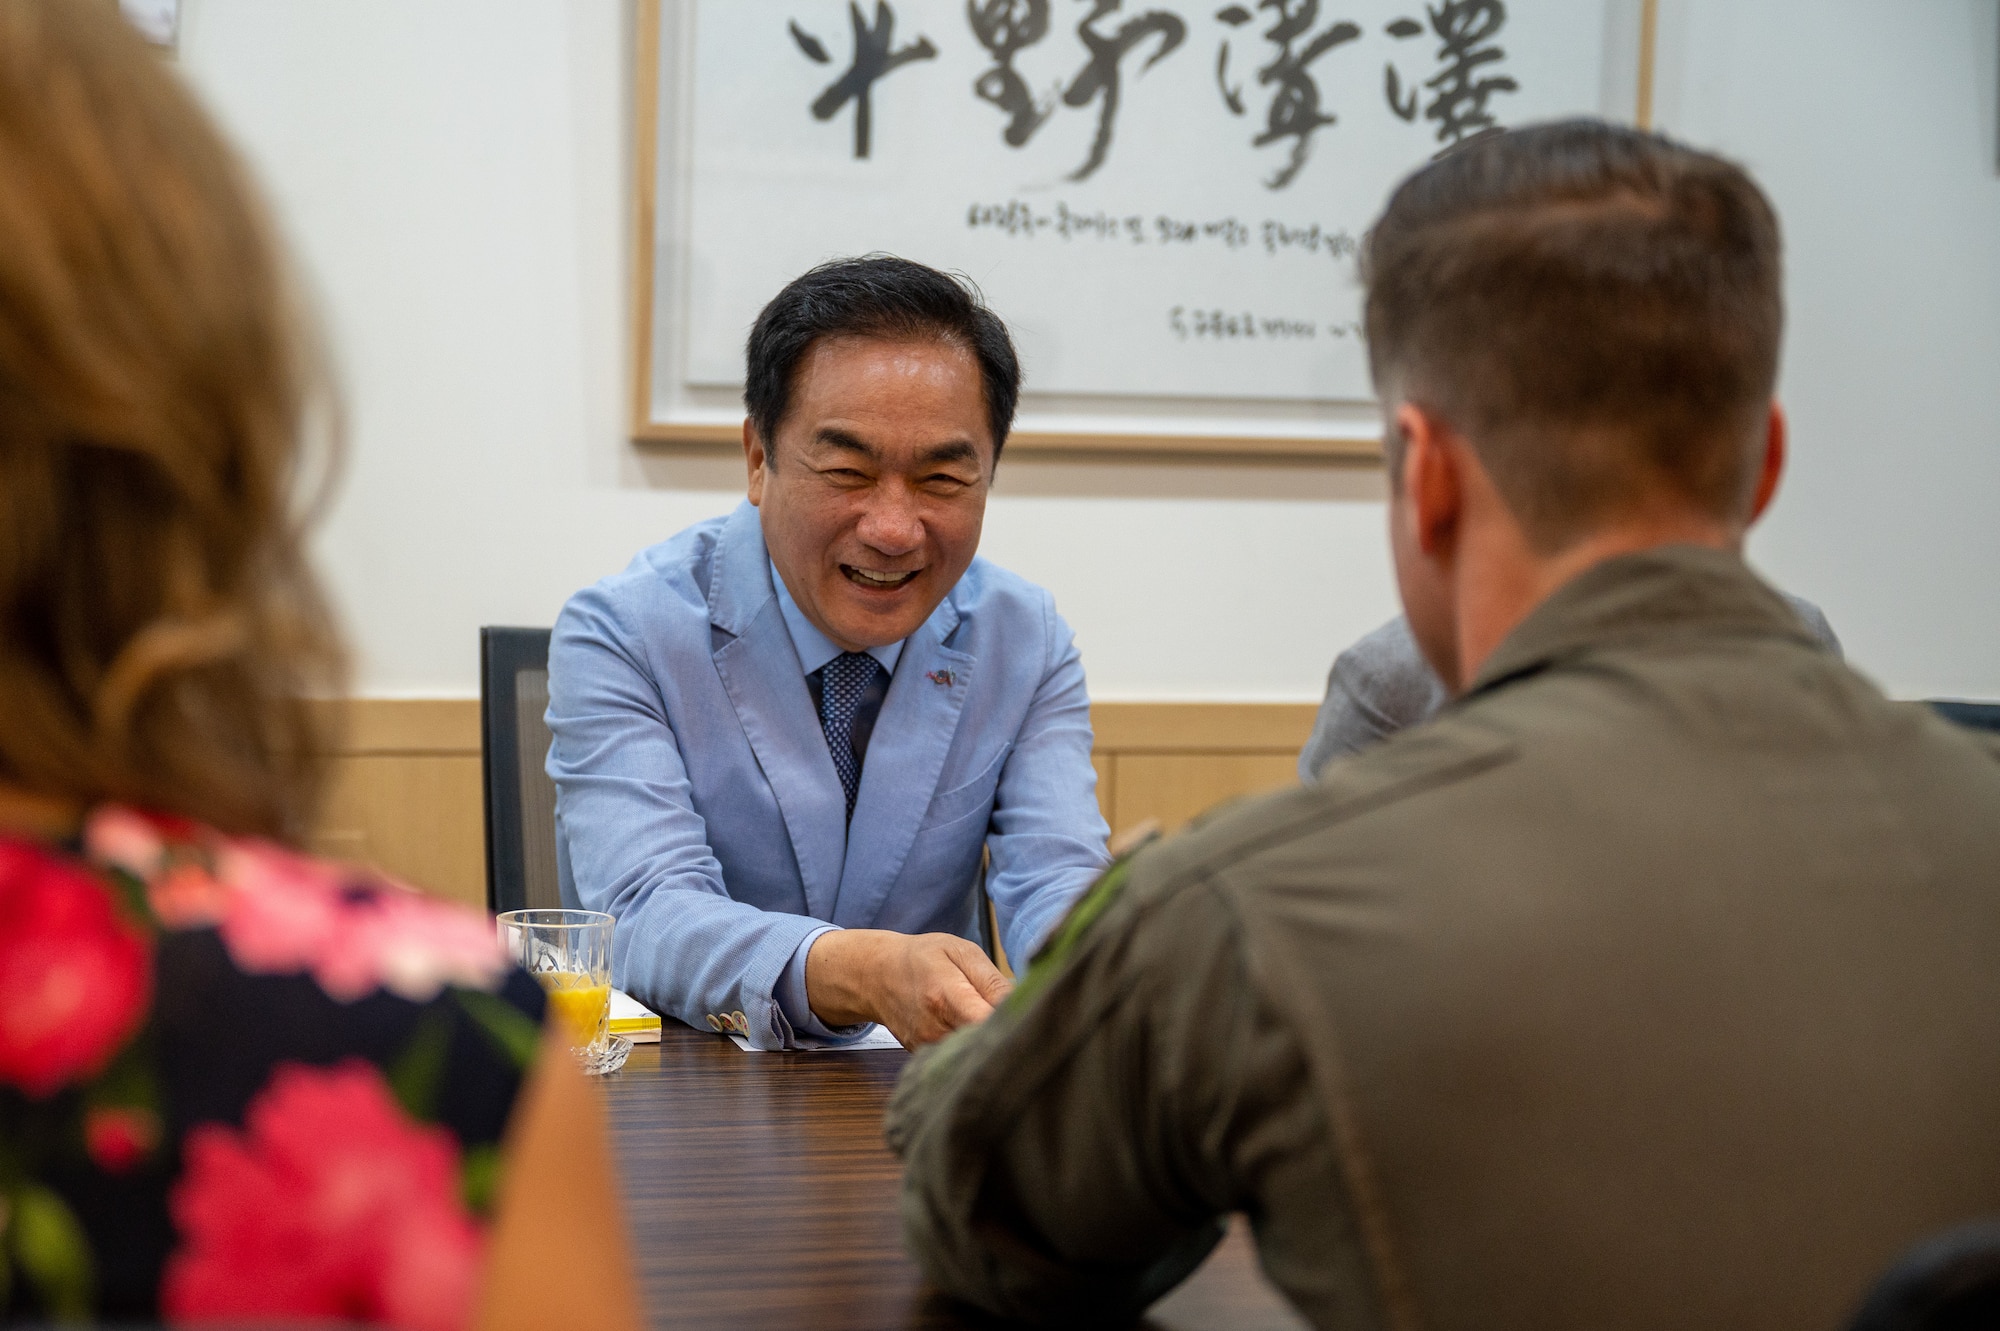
pixel 160 631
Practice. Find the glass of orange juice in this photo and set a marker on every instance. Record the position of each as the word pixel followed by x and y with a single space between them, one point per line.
pixel 569 951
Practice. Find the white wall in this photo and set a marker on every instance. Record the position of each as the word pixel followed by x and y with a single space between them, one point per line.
pixel 454 174
pixel 1872 126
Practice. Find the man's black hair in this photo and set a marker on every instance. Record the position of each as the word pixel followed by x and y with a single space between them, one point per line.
pixel 877 295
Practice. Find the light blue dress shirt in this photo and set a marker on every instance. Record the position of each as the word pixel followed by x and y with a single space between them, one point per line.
pixel 815 649
pixel 696 798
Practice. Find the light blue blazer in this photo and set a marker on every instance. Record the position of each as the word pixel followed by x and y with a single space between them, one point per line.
pixel 697 801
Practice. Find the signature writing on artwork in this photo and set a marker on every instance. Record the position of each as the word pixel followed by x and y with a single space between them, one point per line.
pixel 1193 323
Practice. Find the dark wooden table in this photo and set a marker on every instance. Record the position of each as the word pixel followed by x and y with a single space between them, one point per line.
pixel 760 1194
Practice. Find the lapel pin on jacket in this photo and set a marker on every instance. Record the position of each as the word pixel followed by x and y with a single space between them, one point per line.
pixel 942 678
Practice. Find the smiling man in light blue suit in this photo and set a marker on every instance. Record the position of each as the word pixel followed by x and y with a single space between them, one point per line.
pixel 783 738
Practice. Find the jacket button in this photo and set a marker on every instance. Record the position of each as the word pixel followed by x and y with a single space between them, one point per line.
pixel 714 1024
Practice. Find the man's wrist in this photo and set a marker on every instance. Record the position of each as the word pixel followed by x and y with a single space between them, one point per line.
pixel 795 1012
pixel 838 989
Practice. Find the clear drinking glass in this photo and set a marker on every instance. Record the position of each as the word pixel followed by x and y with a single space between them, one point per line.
pixel 569 951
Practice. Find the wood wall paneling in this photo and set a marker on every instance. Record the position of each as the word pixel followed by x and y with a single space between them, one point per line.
pixel 1107 783
pixel 420 817
pixel 406 791
pixel 1173 788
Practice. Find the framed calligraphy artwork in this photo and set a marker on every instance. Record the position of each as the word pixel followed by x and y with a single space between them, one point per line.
pixel 1163 199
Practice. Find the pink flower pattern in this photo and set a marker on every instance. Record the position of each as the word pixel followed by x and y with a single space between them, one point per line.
pixel 282 913
pixel 120 1137
pixel 75 976
pixel 330 1203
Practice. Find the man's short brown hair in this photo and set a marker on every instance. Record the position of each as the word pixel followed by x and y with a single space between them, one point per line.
pixel 1597 309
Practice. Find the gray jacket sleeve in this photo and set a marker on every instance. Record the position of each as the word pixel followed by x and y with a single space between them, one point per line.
pixel 1815 620
pixel 1380 685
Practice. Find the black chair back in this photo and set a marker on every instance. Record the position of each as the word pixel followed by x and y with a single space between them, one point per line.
pixel 522 869
pixel 1950 1282
pixel 1977 715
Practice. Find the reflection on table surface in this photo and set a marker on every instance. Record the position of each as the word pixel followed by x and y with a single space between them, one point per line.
pixel 760 1193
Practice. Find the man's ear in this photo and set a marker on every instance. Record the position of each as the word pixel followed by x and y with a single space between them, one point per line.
pixel 1433 485
pixel 1774 463
pixel 755 460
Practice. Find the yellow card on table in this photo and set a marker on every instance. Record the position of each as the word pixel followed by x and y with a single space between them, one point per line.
pixel 633 1019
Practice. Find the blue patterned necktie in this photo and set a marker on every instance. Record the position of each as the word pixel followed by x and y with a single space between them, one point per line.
pixel 843 682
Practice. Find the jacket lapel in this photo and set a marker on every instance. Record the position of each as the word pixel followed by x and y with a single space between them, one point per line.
pixel 760 670
pixel 912 734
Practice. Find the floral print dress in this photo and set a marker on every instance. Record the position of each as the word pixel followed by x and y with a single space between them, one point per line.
pixel 238 1083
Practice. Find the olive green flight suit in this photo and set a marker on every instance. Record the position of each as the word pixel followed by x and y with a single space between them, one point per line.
pixel 1654 985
